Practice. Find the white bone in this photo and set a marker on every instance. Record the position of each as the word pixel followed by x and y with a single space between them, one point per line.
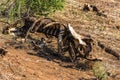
pixel 12 29
pixel 75 35
pixel 12 34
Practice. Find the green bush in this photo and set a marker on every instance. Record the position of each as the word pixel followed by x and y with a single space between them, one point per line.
pixel 16 8
pixel 100 71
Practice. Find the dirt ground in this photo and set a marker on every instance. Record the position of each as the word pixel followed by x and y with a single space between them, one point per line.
pixel 20 64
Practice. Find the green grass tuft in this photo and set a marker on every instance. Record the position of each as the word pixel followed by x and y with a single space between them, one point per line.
pixel 99 71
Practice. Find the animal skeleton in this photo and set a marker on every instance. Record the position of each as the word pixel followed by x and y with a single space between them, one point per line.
pixel 68 39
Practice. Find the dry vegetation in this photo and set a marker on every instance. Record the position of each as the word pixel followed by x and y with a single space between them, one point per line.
pixel 17 64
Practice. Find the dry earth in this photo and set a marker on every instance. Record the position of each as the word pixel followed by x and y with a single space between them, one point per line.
pixel 17 64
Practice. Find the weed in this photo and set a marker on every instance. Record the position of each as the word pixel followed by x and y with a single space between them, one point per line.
pixel 99 71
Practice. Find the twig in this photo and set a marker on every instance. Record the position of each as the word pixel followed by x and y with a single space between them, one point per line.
pixel 5 3
pixel 11 68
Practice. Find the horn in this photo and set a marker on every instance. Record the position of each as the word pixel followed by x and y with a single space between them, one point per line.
pixel 76 35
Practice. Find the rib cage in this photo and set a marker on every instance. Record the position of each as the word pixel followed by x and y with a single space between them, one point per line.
pixel 48 27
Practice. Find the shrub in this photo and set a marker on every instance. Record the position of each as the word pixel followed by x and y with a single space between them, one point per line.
pixel 99 71
pixel 17 8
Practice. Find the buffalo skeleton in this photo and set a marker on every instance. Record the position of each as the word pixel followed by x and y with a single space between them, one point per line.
pixel 68 39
